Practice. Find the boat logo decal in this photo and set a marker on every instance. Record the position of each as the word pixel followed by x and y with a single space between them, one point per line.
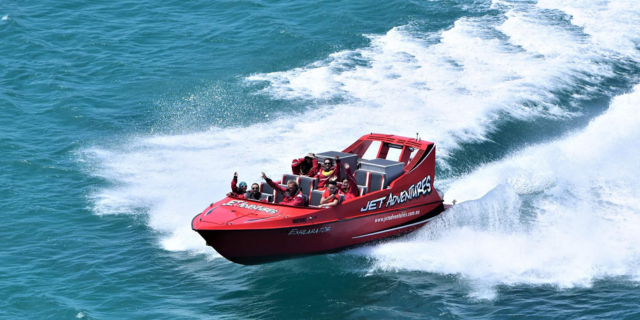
pixel 295 232
pixel 421 188
pixel 245 205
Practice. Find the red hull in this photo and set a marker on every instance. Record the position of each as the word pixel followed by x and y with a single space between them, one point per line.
pixel 249 232
pixel 266 245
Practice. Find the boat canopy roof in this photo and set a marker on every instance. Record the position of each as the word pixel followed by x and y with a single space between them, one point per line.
pixel 411 150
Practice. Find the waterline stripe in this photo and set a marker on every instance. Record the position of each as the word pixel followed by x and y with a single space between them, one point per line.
pixel 396 228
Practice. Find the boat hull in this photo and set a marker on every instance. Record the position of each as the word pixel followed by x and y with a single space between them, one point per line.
pixel 256 246
pixel 251 232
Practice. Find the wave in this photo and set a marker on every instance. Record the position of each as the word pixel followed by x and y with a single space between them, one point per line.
pixel 455 85
pixel 564 213
pixel 613 26
pixel 452 86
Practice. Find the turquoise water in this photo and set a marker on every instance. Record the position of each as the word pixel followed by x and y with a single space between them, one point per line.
pixel 122 120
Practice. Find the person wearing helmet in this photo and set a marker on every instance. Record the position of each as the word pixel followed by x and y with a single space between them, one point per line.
pixel 237 191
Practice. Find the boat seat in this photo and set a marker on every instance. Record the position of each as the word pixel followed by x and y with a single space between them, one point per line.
pixel 374 181
pixel 265 188
pixel 279 196
pixel 307 184
pixel 316 196
pixel 363 190
pixel 287 177
pixel 391 169
pixel 267 196
pixel 350 158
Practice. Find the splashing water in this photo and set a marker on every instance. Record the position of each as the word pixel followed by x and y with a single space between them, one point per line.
pixel 564 213
pixel 561 213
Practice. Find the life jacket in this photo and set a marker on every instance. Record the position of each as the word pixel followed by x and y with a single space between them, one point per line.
pixel 333 175
pixel 297 200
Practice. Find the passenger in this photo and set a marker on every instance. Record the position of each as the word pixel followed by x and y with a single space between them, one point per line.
pixel 329 172
pixel 255 194
pixel 292 195
pixel 307 166
pixel 349 185
pixel 330 196
pixel 238 192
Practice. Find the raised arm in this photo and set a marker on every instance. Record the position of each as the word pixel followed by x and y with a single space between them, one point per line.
pixel 295 165
pixel 315 167
pixel 338 166
pixel 353 185
pixel 234 184
pixel 274 185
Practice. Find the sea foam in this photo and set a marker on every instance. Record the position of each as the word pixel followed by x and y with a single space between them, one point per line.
pixel 612 25
pixel 581 221
pixel 564 213
pixel 452 86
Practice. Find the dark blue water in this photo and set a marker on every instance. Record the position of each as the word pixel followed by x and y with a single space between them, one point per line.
pixel 119 121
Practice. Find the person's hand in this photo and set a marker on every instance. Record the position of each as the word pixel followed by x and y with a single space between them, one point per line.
pixel 336 157
pixel 314 155
pixel 264 176
pixel 235 174
pixel 346 166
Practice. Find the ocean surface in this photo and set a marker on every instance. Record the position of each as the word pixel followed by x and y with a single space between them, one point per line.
pixel 121 120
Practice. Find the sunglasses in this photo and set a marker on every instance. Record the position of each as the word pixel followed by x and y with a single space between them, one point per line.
pixel 327 163
pixel 255 188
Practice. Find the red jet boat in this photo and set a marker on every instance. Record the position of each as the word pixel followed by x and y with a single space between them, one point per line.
pixel 397 196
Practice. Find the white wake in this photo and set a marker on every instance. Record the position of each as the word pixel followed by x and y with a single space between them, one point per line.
pixel 452 86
